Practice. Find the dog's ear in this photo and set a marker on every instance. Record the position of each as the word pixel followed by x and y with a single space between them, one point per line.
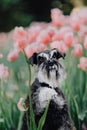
pixel 60 55
pixel 33 59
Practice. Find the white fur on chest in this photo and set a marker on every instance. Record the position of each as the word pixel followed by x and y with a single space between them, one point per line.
pixel 46 94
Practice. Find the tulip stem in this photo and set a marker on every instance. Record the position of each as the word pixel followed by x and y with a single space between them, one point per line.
pixel 29 97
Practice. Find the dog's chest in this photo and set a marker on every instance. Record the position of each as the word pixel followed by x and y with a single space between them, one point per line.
pixel 43 95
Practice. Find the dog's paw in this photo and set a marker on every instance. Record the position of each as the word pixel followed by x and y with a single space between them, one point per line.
pixel 45 95
pixel 59 100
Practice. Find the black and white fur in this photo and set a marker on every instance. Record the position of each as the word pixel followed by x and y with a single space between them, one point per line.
pixel 46 87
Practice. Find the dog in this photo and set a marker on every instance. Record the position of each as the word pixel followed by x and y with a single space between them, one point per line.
pixel 46 88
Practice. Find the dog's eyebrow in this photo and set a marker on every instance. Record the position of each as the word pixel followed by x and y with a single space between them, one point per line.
pixel 52 52
pixel 43 55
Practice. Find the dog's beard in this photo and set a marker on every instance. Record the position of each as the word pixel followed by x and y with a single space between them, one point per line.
pixel 51 75
pixel 51 71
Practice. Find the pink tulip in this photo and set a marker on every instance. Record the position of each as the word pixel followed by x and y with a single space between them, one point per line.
pixel 44 37
pixel 56 36
pixel 85 43
pixel 75 21
pixel 77 50
pixel 41 25
pixel 68 39
pixel 29 50
pixel 1 56
pixel 83 30
pixel 3 72
pixel 21 105
pixel 59 34
pixel 83 63
pixel 64 30
pixel 20 38
pixel 54 44
pixel 82 14
pixel 13 55
pixel 33 32
pixel 57 17
pixel 82 33
pixel 79 37
pixel 34 47
pixel 51 30
pixel 39 47
pixel 60 46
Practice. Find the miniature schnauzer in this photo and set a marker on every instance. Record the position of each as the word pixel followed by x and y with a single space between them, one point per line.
pixel 46 87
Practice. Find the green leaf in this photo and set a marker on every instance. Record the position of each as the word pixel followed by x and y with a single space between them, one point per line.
pixel 82 115
pixel 32 118
pixel 76 106
pixel 43 118
pixel 76 111
pixel 20 121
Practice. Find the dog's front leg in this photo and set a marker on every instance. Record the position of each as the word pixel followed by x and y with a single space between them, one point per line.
pixel 45 95
pixel 61 106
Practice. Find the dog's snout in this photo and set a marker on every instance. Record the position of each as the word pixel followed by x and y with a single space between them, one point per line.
pixel 51 63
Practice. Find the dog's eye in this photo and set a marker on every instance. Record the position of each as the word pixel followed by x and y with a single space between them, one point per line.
pixel 54 55
pixel 41 59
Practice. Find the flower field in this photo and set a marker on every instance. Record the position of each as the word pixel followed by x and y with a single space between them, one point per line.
pixel 66 33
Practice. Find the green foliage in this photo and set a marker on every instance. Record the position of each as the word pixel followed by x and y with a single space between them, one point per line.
pixel 75 88
pixel 10 116
pixel 23 12
pixel 43 118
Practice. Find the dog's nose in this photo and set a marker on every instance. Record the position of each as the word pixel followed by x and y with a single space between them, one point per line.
pixel 51 63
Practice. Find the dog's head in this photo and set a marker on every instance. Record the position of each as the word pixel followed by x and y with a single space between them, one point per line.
pixel 49 67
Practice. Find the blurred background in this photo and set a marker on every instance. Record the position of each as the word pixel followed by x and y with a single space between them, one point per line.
pixel 23 12
pixel 70 36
